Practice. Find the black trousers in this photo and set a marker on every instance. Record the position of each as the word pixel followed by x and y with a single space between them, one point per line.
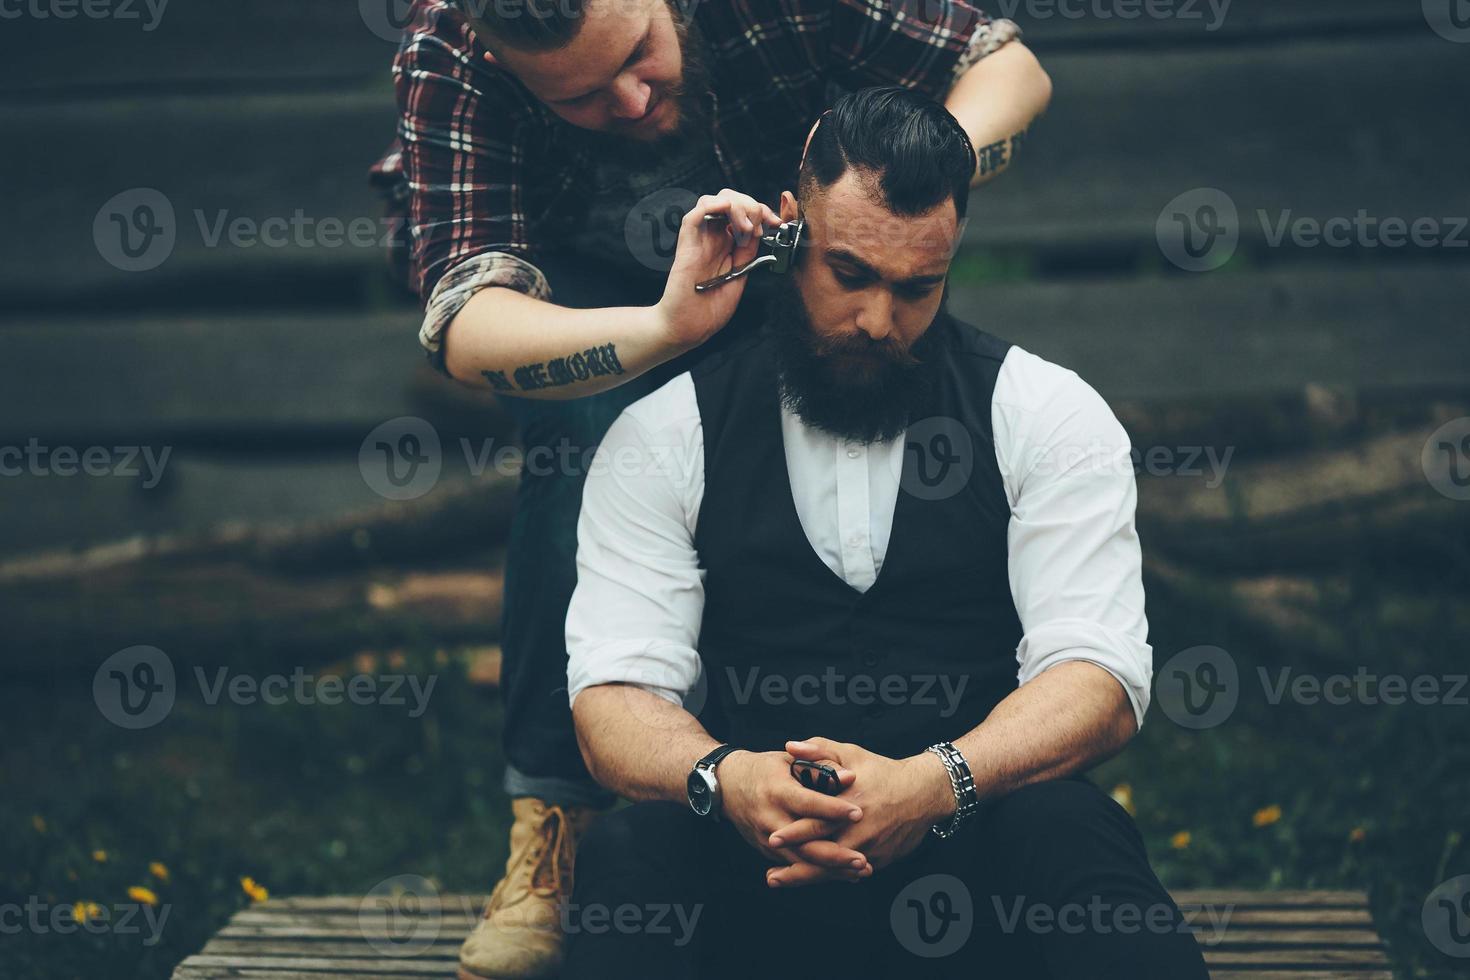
pixel 1053 882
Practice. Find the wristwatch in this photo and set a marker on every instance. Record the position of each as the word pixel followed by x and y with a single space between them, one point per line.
pixel 703 787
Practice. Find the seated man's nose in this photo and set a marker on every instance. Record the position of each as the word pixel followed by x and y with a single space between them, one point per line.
pixel 631 101
pixel 876 323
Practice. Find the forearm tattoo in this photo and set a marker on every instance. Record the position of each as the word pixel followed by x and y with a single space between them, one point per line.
pixel 594 362
pixel 994 156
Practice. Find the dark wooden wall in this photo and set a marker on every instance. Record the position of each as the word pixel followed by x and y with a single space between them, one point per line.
pixel 263 368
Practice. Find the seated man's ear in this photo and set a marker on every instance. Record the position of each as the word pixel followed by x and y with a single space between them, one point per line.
pixel 789 210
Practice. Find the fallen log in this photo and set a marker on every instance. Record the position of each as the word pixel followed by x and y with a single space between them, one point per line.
pixel 230 612
pixel 423 573
pixel 1367 503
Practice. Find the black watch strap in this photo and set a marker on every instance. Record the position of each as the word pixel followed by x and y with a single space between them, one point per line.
pixel 713 758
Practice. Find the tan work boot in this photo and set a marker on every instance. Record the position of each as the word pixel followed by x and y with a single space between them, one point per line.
pixel 519 936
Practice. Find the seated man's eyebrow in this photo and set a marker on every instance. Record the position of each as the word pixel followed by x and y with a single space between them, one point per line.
pixel 843 255
pixel 638 51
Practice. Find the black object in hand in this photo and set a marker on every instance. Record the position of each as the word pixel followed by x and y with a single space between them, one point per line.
pixel 816 775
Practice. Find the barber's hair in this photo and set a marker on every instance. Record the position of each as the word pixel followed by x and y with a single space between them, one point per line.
pixel 913 145
pixel 535 25
pixel 526 25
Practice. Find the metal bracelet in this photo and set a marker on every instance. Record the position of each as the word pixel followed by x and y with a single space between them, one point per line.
pixel 962 781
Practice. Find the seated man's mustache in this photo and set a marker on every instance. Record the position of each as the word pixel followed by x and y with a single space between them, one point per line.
pixel 861 345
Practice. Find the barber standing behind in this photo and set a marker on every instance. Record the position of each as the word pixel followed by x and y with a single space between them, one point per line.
pixel 547 153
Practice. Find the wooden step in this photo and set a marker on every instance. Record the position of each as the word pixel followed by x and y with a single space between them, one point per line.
pixel 1246 935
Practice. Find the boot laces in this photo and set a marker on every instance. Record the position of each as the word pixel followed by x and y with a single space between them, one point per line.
pixel 549 853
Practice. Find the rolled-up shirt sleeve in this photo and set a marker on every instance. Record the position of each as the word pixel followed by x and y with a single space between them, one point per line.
pixel 634 616
pixel 465 133
pixel 1076 569
pixel 455 287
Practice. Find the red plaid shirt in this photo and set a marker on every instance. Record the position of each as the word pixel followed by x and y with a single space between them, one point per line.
pixel 487 176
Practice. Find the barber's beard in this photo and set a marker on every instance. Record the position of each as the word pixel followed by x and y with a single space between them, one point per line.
pixel 688 94
pixel 854 388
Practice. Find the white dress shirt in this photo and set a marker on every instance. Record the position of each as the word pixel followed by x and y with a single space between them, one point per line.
pixel 1073 556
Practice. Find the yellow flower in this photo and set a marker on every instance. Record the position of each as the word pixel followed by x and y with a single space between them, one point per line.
pixel 256 892
pixel 159 870
pixel 1180 840
pixel 83 911
pixel 99 855
pixel 1358 835
pixel 1266 816
pixel 39 822
pixel 1123 796
pixel 140 894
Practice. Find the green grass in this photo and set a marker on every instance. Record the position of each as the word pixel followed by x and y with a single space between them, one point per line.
pixel 303 799
pixel 313 800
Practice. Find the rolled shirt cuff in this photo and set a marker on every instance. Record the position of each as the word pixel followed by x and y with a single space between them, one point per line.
pixel 463 281
pixel 1120 654
pixel 670 670
pixel 987 39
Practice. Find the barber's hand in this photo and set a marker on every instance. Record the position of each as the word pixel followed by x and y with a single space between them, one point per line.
pixel 707 249
pixel 900 799
pixel 760 796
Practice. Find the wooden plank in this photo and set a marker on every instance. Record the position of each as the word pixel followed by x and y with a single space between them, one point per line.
pixel 299 931
pixel 375 972
pixel 320 964
pixel 1127 132
pixel 371 971
pixel 201 491
pixel 1299 934
pixel 172 376
pixel 441 946
pixel 1242 897
pixel 1285 959
pixel 1237 938
pixel 299 161
pixel 1277 917
pixel 177 42
pixel 1305 974
pixel 1064 25
pixel 1209 335
pixel 295 905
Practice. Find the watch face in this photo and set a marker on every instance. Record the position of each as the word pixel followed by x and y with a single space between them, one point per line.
pixel 701 795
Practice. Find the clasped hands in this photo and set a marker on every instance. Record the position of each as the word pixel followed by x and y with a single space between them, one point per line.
pixel 883 811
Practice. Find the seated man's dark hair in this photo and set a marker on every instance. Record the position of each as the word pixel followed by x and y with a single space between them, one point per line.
pixel 917 150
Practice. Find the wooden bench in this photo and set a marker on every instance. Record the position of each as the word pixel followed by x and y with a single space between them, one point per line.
pixel 1246 935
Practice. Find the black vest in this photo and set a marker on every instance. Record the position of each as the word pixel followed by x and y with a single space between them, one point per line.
pixel 789 649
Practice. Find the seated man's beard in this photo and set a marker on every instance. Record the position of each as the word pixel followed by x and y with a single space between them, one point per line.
pixel 852 387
